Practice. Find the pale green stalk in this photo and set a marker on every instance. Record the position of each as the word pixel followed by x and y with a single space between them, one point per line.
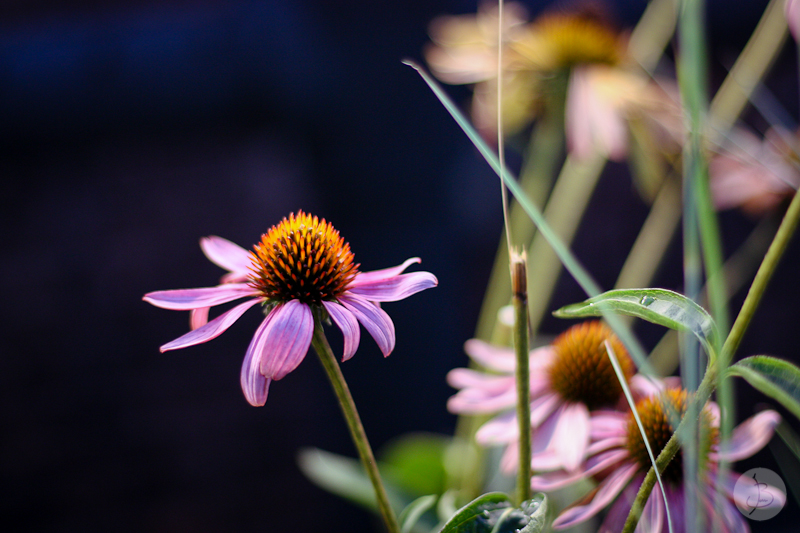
pixel 357 433
pixel 544 151
pixel 521 348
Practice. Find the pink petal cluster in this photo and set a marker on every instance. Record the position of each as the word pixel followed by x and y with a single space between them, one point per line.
pixel 282 340
pixel 608 457
pixel 561 427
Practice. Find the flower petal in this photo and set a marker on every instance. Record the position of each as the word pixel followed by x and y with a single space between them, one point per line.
pixel 606 491
pixel 373 318
pixel 226 254
pixel 750 436
pixel 186 299
pixel 571 435
pixel 480 392
pixel 287 338
pixel 348 324
pixel 562 478
pixel 396 288
pixel 254 384
pixel 386 273
pixel 490 356
pixel 198 317
pixel 211 330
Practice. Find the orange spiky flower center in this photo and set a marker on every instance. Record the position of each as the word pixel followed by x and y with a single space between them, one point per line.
pixel 558 41
pixel 655 413
pixel 302 258
pixel 581 370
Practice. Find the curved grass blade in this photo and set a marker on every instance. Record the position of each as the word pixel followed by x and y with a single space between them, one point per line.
pixel 659 306
pixel 414 511
pixel 778 379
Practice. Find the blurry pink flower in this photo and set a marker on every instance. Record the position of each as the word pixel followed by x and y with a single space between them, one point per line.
pixel 617 455
pixel 568 379
pixel 752 174
pixel 300 268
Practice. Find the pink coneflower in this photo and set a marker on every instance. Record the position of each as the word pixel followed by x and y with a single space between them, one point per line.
pixel 618 455
pixel 569 378
pixel 301 271
pixel 752 174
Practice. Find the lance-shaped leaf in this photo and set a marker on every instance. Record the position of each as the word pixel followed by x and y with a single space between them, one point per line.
pixel 659 306
pixel 494 513
pixel 778 379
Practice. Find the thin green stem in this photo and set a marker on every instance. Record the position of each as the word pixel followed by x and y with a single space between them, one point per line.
pixel 520 299
pixel 357 433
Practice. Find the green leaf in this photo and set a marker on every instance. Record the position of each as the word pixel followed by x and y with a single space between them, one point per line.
pixel 493 513
pixel 414 511
pixel 778 379
pixel 415 462
pixel 344 477
pixel 659 306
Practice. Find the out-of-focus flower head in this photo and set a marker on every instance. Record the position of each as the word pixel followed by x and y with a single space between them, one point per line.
pixel 574 52
pixel 464 51
pixel 618 459
pixel 754 174
pixel 568 379
pixel 301 268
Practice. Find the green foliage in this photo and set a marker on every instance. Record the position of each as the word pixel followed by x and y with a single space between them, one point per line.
pixel 659 306
pixel 494 513
pixel 414 511
pixel 778 379
pixel 415 462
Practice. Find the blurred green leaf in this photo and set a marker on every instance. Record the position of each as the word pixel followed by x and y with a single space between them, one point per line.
pixel 415 462
pixel 493 513
pixel 414 511
pixel 778 379
pixel 659 306
pixel 344 477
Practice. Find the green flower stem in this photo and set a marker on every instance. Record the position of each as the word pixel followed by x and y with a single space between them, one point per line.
pixel 326 357
pixel 520 299
pixel 704 391
pixel 763 276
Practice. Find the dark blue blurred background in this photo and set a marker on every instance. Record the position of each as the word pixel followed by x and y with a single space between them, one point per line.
pixel 129 129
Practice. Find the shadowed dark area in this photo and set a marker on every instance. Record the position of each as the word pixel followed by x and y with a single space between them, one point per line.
pixel 131 129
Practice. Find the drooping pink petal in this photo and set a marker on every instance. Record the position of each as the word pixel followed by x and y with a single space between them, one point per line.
pixel 396 288
pixel 749 492
pixel 186 299
pixel 792 12
pixel 619 510
pixel 608 443
pixel 254 384
pixel 383 274
pixel 348 324
pixel 543 406
pixel 593 124
pixel 480 392
pixel 571 435
pixel 212 329
pixel 490 356
pixel 605 424
pixel 598 463
pixel 499 430
pixel 198 317
pixel 373 318
pixel 606 491
pixel 750 436
pixel 287 338
pixel 227 255
pixel 653 515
